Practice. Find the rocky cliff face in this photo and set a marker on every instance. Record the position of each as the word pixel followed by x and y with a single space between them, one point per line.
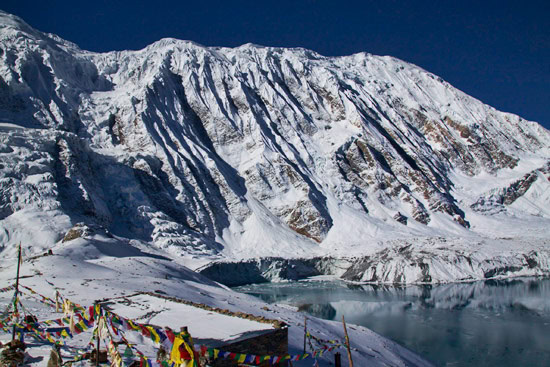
pixel 254 151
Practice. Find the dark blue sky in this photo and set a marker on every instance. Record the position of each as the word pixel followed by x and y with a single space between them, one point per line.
pixel 496 51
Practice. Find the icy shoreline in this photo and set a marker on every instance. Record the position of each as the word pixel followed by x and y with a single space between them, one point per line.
pixel 390 266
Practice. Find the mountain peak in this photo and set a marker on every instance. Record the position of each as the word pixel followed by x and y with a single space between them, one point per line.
pixel 255 151
pixel 13 21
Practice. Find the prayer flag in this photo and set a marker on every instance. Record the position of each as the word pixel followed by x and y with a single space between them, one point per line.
pixel 128 352
pixel 153 334
pixel 182 353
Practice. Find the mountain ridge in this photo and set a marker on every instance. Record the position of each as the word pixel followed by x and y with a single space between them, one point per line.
pixel 214 153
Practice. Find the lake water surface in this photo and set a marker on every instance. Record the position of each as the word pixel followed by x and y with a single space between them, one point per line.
pixel 491 323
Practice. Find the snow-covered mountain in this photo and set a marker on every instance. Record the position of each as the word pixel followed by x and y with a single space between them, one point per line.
pixel 226 154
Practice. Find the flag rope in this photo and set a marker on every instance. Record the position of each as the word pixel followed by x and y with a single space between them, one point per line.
pixel 163 337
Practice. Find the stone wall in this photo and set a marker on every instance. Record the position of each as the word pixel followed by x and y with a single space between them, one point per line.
pixel 275 323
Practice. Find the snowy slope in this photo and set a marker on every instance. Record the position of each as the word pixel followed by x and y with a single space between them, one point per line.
pixel 231 154
pixel 103 267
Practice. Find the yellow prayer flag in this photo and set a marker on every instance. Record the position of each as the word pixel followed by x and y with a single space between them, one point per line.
pixel 132 325
pixel 71 325
pixel 177 357
pixel 154 335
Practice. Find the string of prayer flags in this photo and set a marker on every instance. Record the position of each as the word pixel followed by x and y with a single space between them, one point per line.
pixel 179 345
pixel 7 289
pixel 61 330
pixel 176 344
pixel 4 327
pixel 116 359
pixel 322 341
pixel 116 323
pixel 6 313
pixel 43 330
pixel 165 337
pixel 322 347
pixel 45 336
pixel 129 354
pixel 80 353
pixel 214 353
pixel 44 299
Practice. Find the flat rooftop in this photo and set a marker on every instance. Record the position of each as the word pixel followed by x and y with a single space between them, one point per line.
pixel 207 327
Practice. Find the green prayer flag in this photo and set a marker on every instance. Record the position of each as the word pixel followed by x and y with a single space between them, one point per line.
pixel 128 352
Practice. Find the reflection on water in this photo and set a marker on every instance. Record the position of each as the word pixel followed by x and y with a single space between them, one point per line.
pixel 491 323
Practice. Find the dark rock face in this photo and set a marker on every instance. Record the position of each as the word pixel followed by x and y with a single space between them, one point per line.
pixel 234 274
pixel 499 199
pixel 400 218
pixel 270 269
pixel 501 271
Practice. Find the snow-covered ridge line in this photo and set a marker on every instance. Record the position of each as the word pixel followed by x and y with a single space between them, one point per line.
pixel 256 152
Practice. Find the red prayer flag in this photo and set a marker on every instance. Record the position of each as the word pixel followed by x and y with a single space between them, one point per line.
pixel 170 335
pixel 144 331
pixel 184 354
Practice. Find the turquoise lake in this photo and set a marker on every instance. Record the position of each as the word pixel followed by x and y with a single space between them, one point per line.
pixel 490 323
